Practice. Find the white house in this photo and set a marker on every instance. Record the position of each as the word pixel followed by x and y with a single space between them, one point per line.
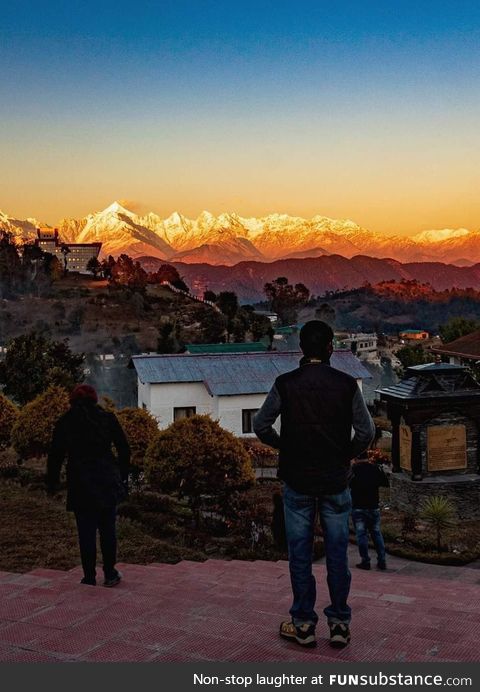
pixel 230 387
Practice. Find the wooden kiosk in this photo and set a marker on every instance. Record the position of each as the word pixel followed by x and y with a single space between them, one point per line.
pixel 435 415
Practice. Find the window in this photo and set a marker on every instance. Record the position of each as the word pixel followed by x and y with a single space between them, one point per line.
pixel 247 419
pixel 184 412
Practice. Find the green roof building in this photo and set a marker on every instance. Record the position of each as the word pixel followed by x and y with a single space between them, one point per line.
pixel 248 347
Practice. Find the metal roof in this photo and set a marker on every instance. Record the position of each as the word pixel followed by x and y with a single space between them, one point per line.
pixel 436 368
pixel 233 373
pixel 433 381
pixel 248 347
pixel 467 346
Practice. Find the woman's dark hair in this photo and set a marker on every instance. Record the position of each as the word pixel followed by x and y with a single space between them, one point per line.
pixel 315 339
pixel 89 417
pixel 83 393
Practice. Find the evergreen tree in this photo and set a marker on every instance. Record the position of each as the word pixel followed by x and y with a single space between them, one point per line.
pixel 413 355
pixel 94 266
pixel 33 363
pixel 167 272
pixel 167 341
pixel 227 301
pixel 11 273
pixel 286 299
pixel 457 327
pixel 128 273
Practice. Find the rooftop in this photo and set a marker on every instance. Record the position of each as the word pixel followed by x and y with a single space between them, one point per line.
pixel 250 347
pixel 467 346
pixel 426 368
pixel 233 373
pixel 412 331
pixel 433 380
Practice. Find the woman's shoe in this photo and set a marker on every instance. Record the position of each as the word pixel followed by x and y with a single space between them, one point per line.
pixel 113 580
pixel 89 582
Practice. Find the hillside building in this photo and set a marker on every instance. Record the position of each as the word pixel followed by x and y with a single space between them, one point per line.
pixel 414 335
pixel 462 351
pixel 362 345
pixel 244 347
pixel 76 255
pixel 272 316
pixel 231 387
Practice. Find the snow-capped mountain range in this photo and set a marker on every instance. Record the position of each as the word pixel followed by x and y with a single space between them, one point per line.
pixel 229 238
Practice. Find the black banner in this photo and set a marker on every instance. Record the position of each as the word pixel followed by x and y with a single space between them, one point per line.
pixel 129 677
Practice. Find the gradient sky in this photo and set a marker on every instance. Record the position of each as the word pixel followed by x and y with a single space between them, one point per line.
pixel 365 110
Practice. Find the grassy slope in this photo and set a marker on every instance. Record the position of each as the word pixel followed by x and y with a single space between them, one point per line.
pixel 107 314
pixel 36 531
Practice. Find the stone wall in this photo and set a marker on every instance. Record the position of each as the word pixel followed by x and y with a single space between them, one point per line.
pixel 462 489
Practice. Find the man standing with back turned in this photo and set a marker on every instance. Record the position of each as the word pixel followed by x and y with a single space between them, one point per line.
pixel 318 406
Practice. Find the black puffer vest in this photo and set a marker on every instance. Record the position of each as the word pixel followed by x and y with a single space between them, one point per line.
pixel 316 425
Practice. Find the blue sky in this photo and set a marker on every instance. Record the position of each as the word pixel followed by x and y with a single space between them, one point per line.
pixel 359 109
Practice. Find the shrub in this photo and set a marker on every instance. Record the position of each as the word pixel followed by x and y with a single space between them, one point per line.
pixel 409 524
pixel 32 431
pixel 154 502
pixel 439 512
pixel 107 403
pixel 195 456
pixel 261 455
pixel 8 463
pixel 140 427
pixel 8 416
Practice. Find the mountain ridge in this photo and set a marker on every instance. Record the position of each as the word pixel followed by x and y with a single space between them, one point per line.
pixel 230 238
pixel 320 274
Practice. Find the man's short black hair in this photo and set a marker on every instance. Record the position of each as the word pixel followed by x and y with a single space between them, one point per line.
pixel 315 339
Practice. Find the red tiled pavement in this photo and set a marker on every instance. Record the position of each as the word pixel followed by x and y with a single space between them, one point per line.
pixel 230 611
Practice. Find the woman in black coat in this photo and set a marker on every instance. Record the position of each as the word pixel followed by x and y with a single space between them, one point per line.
pixel 96 479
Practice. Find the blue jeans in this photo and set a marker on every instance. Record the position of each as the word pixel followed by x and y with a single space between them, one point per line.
pixel 300 515
pixel 367 521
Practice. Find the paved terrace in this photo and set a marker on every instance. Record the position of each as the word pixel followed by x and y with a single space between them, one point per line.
pixel 230 611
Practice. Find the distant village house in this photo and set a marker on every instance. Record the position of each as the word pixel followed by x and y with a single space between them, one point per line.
pixel 272 316
pixel 363 345
pixel 462 351
pixel 414 335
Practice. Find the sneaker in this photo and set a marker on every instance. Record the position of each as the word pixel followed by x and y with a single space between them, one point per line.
pixel 89 582
pixel 113 580
pixel 339 635
pixel 303 634
pixel 363 565
pixel 382 566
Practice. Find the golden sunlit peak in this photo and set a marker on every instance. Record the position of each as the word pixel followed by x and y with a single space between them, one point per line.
pixel 116 208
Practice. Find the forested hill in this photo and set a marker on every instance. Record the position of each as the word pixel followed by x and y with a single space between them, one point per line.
pixel 393 305
pixel 320 274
